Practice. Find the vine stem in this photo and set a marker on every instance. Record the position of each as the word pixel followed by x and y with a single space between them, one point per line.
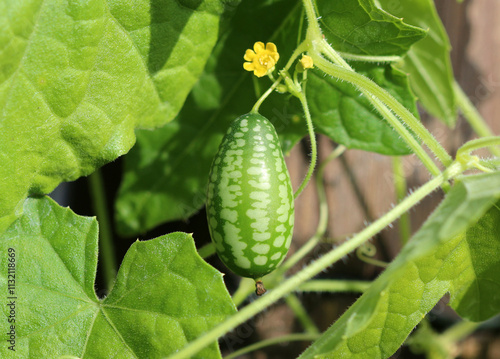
pixel 366 253
pixel 246 287
pixel 313 29
pixel 460 331
pixel 301 314
pixel 468 147
pixel 273 341
pixel 207 250
pixel 316 267
pixel 366 58
pixel 473 117
pixel 106 248
pixel 465 157
pixel 314 148
pixel 341 69
pixel 401 189
pixel 334 286
pixel 256 106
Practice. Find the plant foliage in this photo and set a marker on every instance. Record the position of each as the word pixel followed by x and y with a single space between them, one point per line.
pixel 158 82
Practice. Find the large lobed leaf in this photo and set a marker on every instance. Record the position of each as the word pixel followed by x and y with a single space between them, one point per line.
pixel 457 250
pixel 166 173
pixel 76 78
pixel 164 296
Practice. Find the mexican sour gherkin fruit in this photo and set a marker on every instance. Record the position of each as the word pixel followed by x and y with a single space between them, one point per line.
pixel 250 198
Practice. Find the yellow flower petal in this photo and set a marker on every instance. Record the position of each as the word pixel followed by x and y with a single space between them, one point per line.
pixel 258 47
pixel 271 47
pixel 248 66
pixel 249 55
pixel 261 71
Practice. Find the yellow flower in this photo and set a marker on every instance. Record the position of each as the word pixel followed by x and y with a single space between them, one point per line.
pixel 261 59
pixel 306 62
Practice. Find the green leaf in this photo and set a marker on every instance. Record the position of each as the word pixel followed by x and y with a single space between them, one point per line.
pixel 360 27
pixel 76 78
pixel 428 61
pixel 341 113
pixel 441 257
pixel 481 300
pixel 166 173
pixel 164 296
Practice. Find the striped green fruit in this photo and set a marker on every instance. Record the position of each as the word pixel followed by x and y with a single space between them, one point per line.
pixel 250 198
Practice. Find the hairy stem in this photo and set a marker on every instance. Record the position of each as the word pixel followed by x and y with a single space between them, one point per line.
pixel 491 142
pixel 401 189
pixel 367 58
pixel 386 104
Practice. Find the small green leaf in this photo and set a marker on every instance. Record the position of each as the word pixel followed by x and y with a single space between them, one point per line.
pixel 165 295
pixel 428 61
pixel 76 78
pixel 360 27
pixel 441 257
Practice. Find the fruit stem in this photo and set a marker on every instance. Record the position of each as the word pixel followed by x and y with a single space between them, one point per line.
pixel 255 108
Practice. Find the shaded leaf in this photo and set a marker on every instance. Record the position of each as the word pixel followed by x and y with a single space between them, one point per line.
pixel 482 300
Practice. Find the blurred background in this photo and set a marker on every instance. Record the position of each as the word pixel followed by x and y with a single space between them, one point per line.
pixel 359 188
